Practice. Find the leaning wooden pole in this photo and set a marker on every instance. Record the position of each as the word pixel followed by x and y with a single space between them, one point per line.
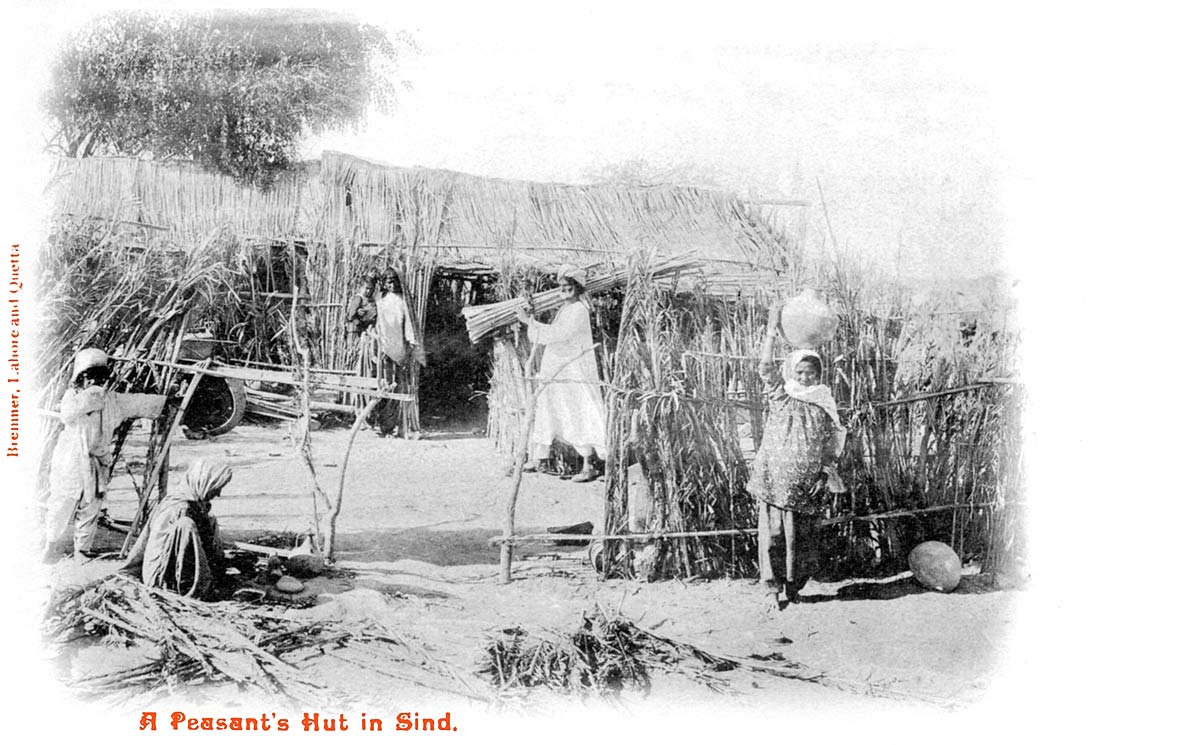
pixel 157 471
pixel 510 516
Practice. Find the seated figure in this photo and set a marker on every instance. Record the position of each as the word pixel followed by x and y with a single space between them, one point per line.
pixel 180 547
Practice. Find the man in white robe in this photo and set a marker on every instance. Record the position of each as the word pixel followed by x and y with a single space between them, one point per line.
pixel 571 406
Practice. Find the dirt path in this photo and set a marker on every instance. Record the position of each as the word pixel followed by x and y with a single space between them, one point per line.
pixel 414 532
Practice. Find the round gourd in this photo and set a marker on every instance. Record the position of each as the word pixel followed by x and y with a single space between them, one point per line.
pixel 935 566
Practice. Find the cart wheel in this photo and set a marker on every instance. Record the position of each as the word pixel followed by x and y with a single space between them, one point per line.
pixel 596 556
pixel 216 407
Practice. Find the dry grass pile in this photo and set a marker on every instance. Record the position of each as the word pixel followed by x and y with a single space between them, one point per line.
pixel 196 641
pixel 606 656
pixel 255 647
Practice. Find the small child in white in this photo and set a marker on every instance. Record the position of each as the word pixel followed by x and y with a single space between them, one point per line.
pixel 83 454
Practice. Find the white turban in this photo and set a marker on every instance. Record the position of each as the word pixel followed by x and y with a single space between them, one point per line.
pixel 86 359
pixel 206 477
pixel 573 273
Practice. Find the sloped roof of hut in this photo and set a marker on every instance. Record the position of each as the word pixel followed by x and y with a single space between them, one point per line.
pixel 471 221
pixel 184 199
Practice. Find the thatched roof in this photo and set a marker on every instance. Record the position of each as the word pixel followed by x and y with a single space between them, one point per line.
pixel 469 220
pixel 187 201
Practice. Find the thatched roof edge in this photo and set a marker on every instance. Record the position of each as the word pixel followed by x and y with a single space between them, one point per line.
pixel 475 220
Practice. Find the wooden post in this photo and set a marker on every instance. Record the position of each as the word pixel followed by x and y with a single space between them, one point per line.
pixel 331 521
pixel 303 442
pixel 510 516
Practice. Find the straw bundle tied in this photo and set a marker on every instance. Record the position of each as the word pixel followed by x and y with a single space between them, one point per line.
pixel 483 320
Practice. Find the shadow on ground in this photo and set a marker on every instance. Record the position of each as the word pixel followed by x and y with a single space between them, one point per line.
pixel 438 547
pixel 971 584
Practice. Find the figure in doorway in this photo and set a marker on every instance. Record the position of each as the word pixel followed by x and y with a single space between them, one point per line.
pixel 399 349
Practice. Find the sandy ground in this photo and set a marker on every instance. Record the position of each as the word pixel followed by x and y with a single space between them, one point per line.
pixel 413 550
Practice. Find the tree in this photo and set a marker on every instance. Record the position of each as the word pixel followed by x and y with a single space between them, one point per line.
pixel 233 91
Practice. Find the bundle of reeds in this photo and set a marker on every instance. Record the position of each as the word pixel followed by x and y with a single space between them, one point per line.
pixel 416 268
pixel 483 320
pixel 271 405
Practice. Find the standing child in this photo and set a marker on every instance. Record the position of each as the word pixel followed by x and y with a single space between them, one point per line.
pixel 360 310
pixel 802 438
pixel 83 454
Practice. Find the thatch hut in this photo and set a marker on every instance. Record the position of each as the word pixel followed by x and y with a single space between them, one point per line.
pixel 347 214
pixel 677 357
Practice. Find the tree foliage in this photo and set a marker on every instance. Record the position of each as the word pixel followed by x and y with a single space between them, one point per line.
pixel 233 91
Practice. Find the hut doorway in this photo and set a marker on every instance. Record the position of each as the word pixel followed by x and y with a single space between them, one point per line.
pixel 454 382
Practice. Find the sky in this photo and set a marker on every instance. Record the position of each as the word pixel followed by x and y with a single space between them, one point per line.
pixel 900 137
pixel 895 118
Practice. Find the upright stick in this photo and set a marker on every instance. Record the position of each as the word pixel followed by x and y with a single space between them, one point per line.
pixel 510 516
pixel 153 477
pixel 331 520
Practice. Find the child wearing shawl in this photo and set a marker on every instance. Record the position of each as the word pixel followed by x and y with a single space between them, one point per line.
pixel 802 439
pixel 180 548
